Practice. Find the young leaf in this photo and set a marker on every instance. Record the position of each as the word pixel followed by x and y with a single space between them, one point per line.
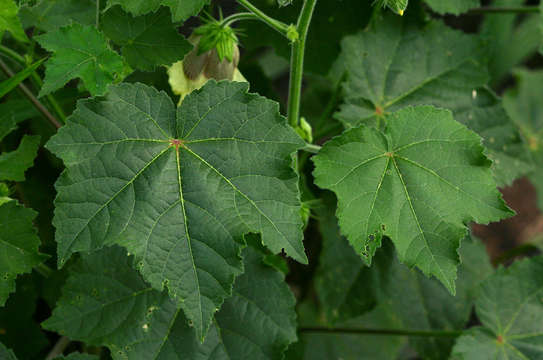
pixel 419 182
pixel 13 164
pixel 18 245
pixel 9 21
pixel 6 354
pixel 510 309
pixel 524 106
pixel 385 79
pixel 455 7
pixel 257 322
pixel 147 41
pixel 7 85
pixel 49 15
pixel 79 52
pixel 179 191
pixel 181 9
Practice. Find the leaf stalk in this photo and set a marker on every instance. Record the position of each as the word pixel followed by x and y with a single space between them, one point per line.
pixel 273 23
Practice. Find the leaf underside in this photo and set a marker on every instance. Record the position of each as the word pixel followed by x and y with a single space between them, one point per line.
pixel 179 189
pixel 419 183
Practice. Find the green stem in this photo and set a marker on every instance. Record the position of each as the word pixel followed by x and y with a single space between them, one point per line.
pixel 521 250
pixel 44 270
pixel 59 348
pixel 503 10
pixel 312 148
pixel 297 63
pixel 37 104
pixel 227 21
pixel 37 81
pixel 273 23
pixel 97 14
pixel 389 332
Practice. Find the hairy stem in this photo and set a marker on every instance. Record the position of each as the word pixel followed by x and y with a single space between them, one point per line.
pixel 273 23
pixel 297 63
pixel 388 332
pixel 503 10
pixel 37 104
pixel 311 148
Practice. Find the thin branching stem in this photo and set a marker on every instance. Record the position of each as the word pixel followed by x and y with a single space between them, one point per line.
pixel 37 104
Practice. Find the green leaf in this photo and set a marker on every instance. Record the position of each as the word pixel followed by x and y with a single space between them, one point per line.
pixel 147 41
pixel 419 182
pixel 315 346
pixel 501 136
pixel 9 21
pixel 18 328
pixel 512 38
pixel 78 356
pixel 6 354
pixel 433 65
pixel 13 112
pixel 451 73
pixel 323 40
pixel 14 164
pixel 181 9
pixel 179 191
pixel 455 7
pixel 49 15
pixel 18 245
pixel 257 322
pixel 510 309
pixel 347 289
pixel 79 52
pixel 7 85
pixel 524 106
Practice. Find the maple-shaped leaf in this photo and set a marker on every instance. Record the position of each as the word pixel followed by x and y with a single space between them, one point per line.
pixel 13 164
pixel 419 182
pixel 9 21
pixel 79 52
pixel 181 9
pixel 18 245
pixel 49 15
pixel 455 7
pixel 450 73
pixel 510 309
pixel 106 302
pixel 147 41
pixel 179 190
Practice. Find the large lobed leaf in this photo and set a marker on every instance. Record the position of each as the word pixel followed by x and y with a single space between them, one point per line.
pixel 138 322
pixel 49 15
pixel 147 41
pixel 179 190
pixel 79 52
pixel 181 9
pixel 18 245
pixel 419 182
pixel 347 289
pixel 449 73
pixel 511 311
